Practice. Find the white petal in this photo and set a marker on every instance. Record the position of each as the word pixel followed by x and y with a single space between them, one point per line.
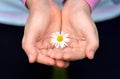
pixel 65 44
pixel 52 41
pixel 54 34
pixel 66 35
pixel 57 33
pixel 62 45
pixel 62 33
pixel 57 45
pixel 67 40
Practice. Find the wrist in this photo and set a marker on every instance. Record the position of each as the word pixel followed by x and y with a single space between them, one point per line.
pixel 32 4
pixel 35 5
pixel 78 5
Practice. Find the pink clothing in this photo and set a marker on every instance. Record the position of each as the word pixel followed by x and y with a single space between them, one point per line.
pixel 24 1
pixel 14 12
pixel 92 3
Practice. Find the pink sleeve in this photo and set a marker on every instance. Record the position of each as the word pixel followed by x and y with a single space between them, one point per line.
pixel 92 3
pixel 23 1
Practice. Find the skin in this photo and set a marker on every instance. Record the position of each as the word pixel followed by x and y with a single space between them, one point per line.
pixel 46 18
pixel 77 22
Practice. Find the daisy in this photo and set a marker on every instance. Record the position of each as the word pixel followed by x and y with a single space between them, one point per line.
pixel 60 39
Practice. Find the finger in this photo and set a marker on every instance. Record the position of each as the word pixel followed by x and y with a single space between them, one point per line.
pixel 31 35
pixel 55 53
pixel 67 63
pixel 73 54
pixel 58 63
pixel 30 50
pixel 62 64
pixel 51 53
pixel 92 44
pixel 59 54
pixel 45 60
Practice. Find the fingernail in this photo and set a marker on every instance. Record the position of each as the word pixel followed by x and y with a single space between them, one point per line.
pixel 92 53
pixel 30 58
pixel 67 65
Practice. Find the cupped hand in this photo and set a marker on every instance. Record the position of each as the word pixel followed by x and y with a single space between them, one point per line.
pixel 44 19
pixel 77 22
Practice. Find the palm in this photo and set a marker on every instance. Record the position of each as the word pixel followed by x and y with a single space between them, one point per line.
pixel 52 24
pixel 81 30
pixel 78 40
pixel 39 27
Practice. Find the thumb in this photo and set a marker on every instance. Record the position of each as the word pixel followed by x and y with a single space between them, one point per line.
pixel 92 44
pixel 30 50
pixel 31 33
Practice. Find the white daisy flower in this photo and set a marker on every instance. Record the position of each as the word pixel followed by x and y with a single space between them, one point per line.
pixel 60 39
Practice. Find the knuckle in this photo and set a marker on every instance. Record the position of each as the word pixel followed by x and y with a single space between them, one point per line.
pixel 25 46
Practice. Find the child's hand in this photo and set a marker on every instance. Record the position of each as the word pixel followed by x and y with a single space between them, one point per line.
pixel 44 19
pixel 77 22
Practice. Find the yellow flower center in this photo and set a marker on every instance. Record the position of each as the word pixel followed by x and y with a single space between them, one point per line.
pixel 60 38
